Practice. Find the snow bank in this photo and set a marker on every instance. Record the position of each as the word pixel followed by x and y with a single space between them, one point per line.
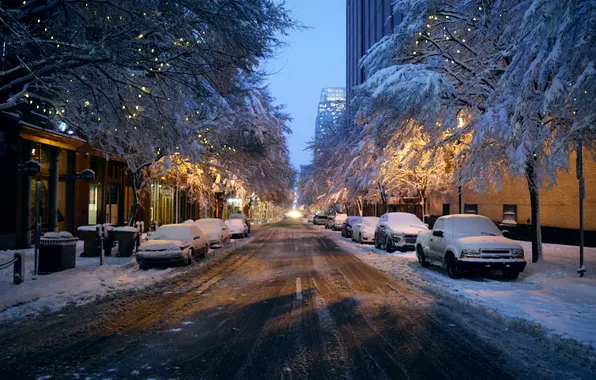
pixel 549 293
pixel 86 283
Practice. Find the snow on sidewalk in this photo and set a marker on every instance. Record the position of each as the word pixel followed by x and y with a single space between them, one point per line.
pixel 86 283
pixel 549 293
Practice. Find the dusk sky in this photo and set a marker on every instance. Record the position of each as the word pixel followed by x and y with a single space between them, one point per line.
pixel 315 58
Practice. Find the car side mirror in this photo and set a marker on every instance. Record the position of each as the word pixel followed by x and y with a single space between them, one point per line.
pixel 438 233
pixel 359 225
pixel 196 237
pixel 506 233
pixel 224 228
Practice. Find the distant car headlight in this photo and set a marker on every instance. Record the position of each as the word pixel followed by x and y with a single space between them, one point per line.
pixel 470 253
pixel 519 252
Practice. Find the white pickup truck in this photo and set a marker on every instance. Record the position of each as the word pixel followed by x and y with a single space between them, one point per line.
pixel 469 242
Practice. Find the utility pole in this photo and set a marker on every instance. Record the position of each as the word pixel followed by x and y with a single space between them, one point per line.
pixel 37 229
pixel 459 198
pixel 582 194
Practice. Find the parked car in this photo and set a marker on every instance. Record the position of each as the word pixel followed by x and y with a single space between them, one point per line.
pixel 243 217
pixel 339 221
pixel 217 230
pixel 176 244
pixel 237 228
pixel 398 231
pixel 364 230
pixel 310 218
pixel 330 222
pixel 320 220
pixel 348 225
pixel 469 242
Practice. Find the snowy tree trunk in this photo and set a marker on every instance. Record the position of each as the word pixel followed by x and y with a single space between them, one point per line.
pixel 535 206
pixel 359 203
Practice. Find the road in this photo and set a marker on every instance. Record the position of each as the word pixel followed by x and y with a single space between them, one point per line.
pixel 291 304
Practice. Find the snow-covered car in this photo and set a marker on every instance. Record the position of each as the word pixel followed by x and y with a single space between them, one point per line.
pixel 348 225
pixel 398 231
pixel 364 230
pixel 469 242
pixel 217 230
pixel 243 217
pixel 173 244
pixel 339 221
pixel 237 228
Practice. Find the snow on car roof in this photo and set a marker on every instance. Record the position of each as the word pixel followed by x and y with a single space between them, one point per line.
pixel 176 232
pixel 205 220
pixel 463 216
pixel 404 218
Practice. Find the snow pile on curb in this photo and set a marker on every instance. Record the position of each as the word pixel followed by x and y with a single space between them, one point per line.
pixel 86 283
pixel 549 293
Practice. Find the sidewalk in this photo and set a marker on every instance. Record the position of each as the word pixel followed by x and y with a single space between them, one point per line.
pixel 86 283
pixel 549 293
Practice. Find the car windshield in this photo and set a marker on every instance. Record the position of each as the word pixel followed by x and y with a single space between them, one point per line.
pixel 404 219
pixel 474 226
pixel 370 221
pixel 236 223
pixel 237 216
pixel 182 232
pixel 354 219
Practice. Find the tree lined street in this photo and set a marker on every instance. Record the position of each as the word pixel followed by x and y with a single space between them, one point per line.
pixel 291 304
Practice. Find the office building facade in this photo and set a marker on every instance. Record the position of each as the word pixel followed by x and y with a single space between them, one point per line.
pixel 367 21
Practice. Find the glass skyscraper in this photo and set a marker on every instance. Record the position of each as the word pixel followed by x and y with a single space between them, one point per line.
pixel 332 107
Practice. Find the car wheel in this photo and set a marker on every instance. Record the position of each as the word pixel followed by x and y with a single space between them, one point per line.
pixel 510 275
pixel 207 249
pixel 388 247
pixel 452 270
pixel 421 257
pixel 143 266
pixel 343 234
pixel 360 238
pixel 377 245
pixel 191 254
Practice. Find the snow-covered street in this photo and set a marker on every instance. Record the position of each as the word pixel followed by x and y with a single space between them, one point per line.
pixel 549 293
pixel 295 301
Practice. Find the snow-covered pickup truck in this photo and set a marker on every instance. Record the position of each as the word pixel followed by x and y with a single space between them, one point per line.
pixel 469 242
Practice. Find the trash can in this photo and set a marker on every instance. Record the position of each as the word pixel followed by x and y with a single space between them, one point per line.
pixel 57 252
pixel 91 242
pixel 126 237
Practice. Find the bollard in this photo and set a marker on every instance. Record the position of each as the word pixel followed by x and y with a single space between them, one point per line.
pixel 19 268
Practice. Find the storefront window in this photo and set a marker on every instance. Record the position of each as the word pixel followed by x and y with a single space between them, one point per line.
pixel 112 197
pixel 44 211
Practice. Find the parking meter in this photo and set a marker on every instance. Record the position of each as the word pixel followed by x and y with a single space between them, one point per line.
pixel 100 231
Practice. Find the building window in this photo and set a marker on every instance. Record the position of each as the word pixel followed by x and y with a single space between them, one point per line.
pixel 509 214
pixel 446 209
pixel 470 209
